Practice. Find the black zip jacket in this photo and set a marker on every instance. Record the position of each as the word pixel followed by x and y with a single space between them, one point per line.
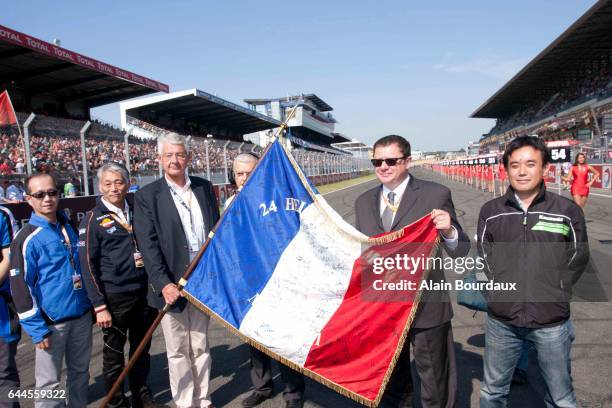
pixel 543 251
pixel 106 253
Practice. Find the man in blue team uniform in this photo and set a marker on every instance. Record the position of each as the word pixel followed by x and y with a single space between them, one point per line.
pixel 49 295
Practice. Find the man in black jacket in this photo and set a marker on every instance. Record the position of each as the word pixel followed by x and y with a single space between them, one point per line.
pixel 535 246
pixel 400 200
pixel 172 218
pixel 116 284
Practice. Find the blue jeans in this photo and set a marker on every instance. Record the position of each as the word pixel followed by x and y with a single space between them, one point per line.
pixel 503 348
pixel 523 362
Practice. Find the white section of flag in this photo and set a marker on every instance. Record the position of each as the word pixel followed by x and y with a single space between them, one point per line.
pixel 307 286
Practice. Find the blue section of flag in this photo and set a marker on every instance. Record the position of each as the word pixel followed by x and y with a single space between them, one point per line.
pixel 254 232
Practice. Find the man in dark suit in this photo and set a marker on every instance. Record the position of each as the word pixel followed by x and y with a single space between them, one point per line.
pixel 172 218
pixel 399 201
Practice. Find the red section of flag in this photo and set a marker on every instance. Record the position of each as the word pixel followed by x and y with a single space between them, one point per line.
pixel 7 114
pixel 357 345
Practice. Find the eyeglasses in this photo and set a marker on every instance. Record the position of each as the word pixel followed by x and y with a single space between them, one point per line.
pixel 180 156
pixel 390 162
pixel 39 195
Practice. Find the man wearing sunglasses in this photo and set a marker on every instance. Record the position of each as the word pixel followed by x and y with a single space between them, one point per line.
pixel 51 301
pixel 400 200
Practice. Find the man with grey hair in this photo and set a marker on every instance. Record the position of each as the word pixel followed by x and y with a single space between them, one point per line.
pixel 242 167
pixel 172 218
pixel 116 283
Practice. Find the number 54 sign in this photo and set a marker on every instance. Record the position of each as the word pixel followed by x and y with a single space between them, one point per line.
pixel 560 154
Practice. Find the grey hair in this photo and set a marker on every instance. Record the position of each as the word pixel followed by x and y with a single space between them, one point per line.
pixel 245 158
pixel 172 138
pixel 115 168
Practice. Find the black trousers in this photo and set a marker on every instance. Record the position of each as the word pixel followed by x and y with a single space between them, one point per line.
pixel 434 358
pixel 9 377
pixel 261 376
pixel 132 317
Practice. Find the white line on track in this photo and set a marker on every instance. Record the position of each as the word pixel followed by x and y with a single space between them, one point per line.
pixel 344 188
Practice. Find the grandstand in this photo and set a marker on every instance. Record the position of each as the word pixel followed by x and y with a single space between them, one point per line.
pixel 53 90
pixel 354 147
pixel 221 129
pixel 311 127
pixel 564 93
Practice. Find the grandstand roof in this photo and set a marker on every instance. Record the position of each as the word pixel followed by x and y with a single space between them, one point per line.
pixel 339 138
pixel 198 106
pixel 318 102
pixel 42 68
pixel 583 44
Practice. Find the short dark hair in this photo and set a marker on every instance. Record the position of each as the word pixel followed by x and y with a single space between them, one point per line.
pixel 531 141
pixel 403 144
pixel 37 175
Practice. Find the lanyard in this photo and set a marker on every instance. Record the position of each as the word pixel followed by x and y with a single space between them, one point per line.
pixel 68 246
pixel 128 227
pixel 181 201
pixel 188 208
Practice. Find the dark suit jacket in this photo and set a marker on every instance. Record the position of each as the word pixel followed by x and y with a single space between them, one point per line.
pixel 160 235
pixel 419 199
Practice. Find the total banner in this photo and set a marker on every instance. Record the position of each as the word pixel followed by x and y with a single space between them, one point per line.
pixel 288 275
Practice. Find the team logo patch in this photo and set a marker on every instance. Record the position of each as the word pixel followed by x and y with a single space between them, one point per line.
pixel 107 222
pixel 555 228
pixel 14 272
pixel 82 231
pixel 111 230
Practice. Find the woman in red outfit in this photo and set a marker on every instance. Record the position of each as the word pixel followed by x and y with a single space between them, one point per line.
pixel 502 179
pixel 580 179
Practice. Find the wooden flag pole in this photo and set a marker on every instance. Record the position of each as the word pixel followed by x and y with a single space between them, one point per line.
pixel 180 285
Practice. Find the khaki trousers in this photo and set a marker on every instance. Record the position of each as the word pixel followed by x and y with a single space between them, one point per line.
pixel 188 353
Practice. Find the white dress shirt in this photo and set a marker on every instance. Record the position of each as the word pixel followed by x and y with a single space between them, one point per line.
pixel 190 214
pixel 123 214
pixel 451 242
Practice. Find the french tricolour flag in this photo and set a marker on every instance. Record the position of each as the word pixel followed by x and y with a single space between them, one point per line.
pixel 286 273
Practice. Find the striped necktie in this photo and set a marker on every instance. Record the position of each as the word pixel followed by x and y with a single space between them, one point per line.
pixel 387 215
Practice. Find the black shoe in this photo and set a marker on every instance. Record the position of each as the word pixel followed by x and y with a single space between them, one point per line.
pixel 254 399
pixel 147 401
pixel 122 403
pixel 294 403
pixel 519 376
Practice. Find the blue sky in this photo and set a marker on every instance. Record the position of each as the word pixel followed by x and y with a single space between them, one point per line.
pixel 415 68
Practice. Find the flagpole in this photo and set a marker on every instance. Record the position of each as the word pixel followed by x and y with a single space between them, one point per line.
pixel 25 148
pixel 8 96
pixel 284 125
pixel 181 283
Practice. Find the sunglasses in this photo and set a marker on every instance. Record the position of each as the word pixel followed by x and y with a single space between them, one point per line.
pixel 389 162
pixel 39 195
